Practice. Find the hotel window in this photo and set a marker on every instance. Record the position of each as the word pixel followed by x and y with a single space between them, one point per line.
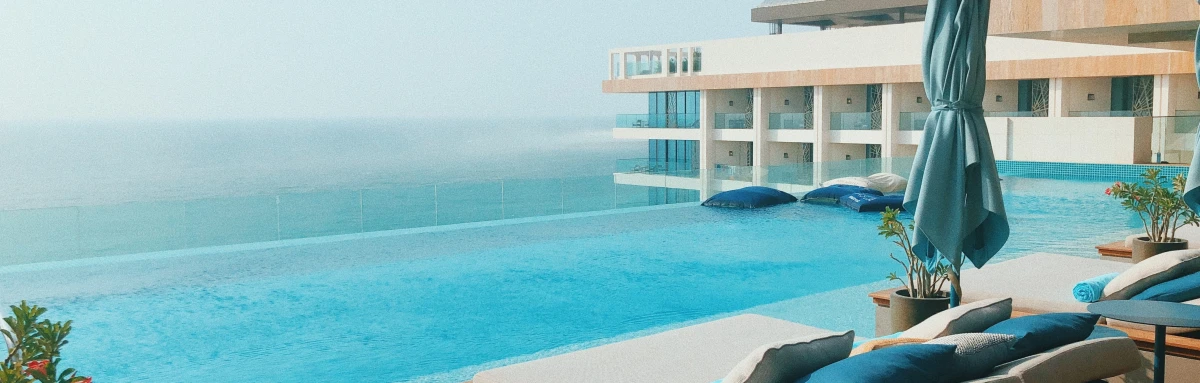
pixel 696 59
pixel 683 53
pixel 673 61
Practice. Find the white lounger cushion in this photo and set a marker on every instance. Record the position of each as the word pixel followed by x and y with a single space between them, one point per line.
pixel 972 317
pixel 852 181
pixel 1078 362
pixel 887 182
pixel 786 361
pixel 1158 269
pixel 695 354
pixel 1037 283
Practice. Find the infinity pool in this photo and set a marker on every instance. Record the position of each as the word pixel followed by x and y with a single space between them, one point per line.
pixel 439 304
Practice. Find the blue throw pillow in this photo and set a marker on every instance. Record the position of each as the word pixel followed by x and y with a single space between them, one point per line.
pixel 1177 290
pixel 831 194
pixel 1039 333
pixel 863 203
pixel 910 363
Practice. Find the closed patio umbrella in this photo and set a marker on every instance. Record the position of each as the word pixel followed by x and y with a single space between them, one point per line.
pixel 1191 191
pixel 954 190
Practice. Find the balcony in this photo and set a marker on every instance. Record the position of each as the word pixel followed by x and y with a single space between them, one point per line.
pixel 913 121
pixel 731 121
pixel 854 121
pixel 790 121
pixel 659 121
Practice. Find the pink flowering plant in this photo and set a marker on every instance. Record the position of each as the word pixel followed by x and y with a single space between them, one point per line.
pixel 1159 205
pixel 32 347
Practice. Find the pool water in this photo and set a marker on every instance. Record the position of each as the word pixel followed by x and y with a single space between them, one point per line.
pixel 439 304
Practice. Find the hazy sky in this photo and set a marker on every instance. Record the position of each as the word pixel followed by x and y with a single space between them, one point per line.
pixel 188 59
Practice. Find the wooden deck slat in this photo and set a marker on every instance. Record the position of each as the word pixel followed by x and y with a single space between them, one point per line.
pixel 1116 249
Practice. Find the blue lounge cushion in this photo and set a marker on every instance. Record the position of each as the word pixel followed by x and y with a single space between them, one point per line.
pixel 863 202
pixel 910 363
pixel 832 193
pixel 976 354
pixel 1177 290
pixel 1092 289
pixel 752 197
pixel 1039 333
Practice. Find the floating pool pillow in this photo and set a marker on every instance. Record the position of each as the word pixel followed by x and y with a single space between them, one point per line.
pixel 831 194
pixel 861 182
pixel 866 203
pixel 972 317
pixel 887 182
pixel 1158 269
pixel 1039 333
pixel 975 354
pixel 910 363
pixel 752 197
pixel 1177 290
pixel 789 360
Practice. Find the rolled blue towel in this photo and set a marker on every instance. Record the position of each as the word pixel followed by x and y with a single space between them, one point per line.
pixel 1092 289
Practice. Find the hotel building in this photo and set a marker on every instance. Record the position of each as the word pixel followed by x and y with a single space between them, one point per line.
pixel 1088 81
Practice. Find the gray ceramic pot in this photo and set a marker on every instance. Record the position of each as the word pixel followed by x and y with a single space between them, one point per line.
pixel 907 312
pixel 1143 248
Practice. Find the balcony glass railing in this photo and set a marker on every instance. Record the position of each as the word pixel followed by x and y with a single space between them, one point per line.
pixel 1174 138
pixel 659 121
pixel 1014 114
pixel 1109 113
pixel 731 121
pixel 853 121
pixel 656 166
pixel 912 121
pixel 790 121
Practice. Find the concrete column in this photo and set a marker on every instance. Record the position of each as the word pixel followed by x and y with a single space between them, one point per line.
pixel 1057 99
pixel 763 99
pixel 708 105
pixel 891 121
pixel 821 110
pixel 1162 96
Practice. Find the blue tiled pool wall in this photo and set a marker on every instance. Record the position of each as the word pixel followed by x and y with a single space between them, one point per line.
pixel 1090 172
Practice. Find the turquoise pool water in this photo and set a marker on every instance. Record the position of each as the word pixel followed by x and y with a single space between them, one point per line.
pixel 439 304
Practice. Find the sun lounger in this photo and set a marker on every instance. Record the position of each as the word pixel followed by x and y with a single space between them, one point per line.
pixel 706 352
pixel 1041 283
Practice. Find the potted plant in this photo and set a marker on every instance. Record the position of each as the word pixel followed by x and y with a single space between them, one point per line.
pixel 1161 209
pixel 31 348
pixel 922 295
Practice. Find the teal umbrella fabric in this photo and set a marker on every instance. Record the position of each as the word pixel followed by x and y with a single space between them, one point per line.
pixel 1191 190
pixel 954 189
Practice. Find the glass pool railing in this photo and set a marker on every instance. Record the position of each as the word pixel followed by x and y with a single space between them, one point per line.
pixel 66 233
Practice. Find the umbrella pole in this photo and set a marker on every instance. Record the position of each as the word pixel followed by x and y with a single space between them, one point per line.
pixel 955 285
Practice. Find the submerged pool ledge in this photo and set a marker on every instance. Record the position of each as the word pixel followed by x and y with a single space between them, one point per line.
pixel 104 260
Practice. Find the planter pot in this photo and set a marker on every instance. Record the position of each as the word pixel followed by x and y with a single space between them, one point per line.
pixel 1143 249
pixel 907 312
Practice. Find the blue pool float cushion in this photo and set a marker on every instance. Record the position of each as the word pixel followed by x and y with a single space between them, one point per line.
pixel 864 203
pixel 752 197
pixel 910 363
pixel 1040 333
pixel 1177 290
pixel 831 194
pixel 1092 289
